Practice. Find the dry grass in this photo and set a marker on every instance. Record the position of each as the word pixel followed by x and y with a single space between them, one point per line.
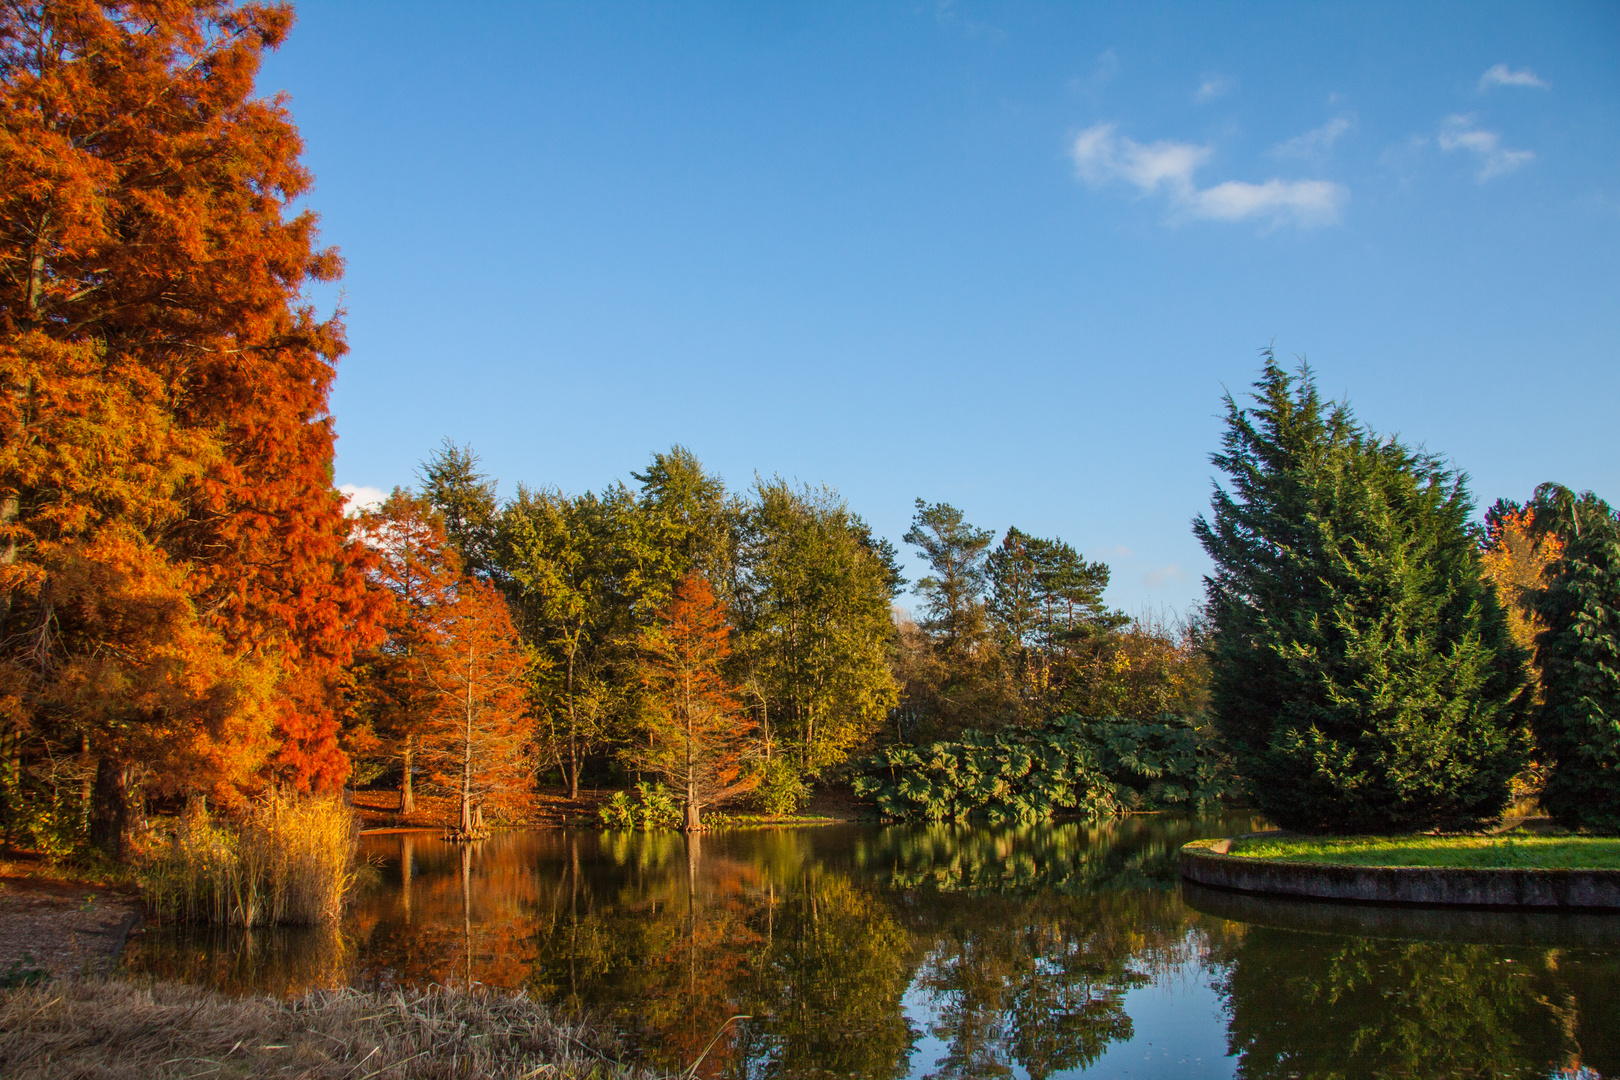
pixel 288 861
pixel 119 1030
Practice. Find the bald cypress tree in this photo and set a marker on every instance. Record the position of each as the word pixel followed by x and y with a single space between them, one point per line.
pixel 1363 675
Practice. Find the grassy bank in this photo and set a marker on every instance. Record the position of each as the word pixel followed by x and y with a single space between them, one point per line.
pixel 115 1029
pixel 1517 851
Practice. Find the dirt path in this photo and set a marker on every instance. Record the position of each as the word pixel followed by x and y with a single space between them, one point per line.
pixel 60 928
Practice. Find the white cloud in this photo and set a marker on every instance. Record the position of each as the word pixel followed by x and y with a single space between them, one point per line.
pixel 1165 575
pixel 1212 87
pixel 357 498
pixel 1459 133
pixel 1101 156
pixel 1306 203
pixel 1315 142
pixel 1502 75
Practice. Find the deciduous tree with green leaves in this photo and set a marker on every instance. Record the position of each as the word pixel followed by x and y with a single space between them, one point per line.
pixel 813 607
pixel 1363 674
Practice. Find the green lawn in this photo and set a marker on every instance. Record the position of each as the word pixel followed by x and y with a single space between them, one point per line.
pixel 1547 852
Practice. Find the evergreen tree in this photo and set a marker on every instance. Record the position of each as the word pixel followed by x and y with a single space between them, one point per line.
pixel 953 595
pixel 1578 724
pixel 1363 674
pixel 464 496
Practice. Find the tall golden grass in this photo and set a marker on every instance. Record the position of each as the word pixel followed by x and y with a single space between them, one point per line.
pixel 290 860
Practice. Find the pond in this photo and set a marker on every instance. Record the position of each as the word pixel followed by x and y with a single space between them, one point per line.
pixel 853 951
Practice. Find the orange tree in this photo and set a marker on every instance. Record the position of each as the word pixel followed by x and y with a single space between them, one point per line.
pixel 179 585
pixel 476 742
pixel 418 569
pixel 696 731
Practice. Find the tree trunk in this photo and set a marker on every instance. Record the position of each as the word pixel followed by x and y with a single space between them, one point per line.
pixel 110 824
pixel 87 778
pixel 407 797
pixel 573 732
pixel 8 553
pixel 694 821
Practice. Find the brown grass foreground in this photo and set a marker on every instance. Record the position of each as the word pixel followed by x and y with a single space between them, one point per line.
pixel 110 1029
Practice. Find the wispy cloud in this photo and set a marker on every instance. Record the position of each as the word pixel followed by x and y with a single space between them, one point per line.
pixel 1211 87
pixel 1101 156
pixel 1502 75
pixel 1306 203
pixel 357 498
pixel 1165 575
pixel 1315 142
pixel 1459 133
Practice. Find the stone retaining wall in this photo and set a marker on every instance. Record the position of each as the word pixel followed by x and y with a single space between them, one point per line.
pixel 1494 887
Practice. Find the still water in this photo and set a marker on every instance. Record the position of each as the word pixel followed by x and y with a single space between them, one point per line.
pixel 1051 951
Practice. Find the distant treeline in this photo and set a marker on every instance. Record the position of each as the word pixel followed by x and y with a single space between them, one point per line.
pixel 816 667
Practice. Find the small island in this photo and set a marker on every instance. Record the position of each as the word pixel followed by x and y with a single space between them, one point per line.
pixel 1503 870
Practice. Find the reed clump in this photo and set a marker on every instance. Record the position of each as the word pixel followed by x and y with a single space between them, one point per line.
pixel 115 1029
pixel 289 861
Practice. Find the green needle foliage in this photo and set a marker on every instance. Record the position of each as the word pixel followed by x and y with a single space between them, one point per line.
pixel 1578 725
pixel 1362 675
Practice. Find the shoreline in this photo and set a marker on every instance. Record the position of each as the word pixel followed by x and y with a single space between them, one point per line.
pixel 1206 863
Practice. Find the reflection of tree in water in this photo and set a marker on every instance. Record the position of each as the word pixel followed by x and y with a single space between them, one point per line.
pixel 679 939
pixel 1073 857
pixel 820 947
pixel 1035 934
pixel 279 960
pixel 1307 1005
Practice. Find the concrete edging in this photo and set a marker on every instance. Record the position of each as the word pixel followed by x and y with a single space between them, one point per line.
pixel 1454 886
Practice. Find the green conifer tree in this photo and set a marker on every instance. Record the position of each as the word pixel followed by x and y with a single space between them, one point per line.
pixel 1363 675
pixel 1578 724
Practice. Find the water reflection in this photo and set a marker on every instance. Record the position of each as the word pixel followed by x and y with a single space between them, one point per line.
pixel 945 951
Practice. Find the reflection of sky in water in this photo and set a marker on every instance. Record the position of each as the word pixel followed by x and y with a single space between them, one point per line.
pixel 952 952
pixel 1180 1033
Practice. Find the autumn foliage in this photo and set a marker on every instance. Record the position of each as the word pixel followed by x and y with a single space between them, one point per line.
pixel 696 730
pixel 474 743
pixel 178 584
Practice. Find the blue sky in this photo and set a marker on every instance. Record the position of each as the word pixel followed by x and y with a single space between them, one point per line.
pixel 1001 255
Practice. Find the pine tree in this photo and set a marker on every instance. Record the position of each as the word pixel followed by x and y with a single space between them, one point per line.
pixel 464 497
pixel 1363 674
pixel 1578 724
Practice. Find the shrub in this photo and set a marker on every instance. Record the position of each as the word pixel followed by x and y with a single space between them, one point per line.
pixel 1157 765
pixel 654 807
pixel 1095 768
pixel 781 789
pixel 288 861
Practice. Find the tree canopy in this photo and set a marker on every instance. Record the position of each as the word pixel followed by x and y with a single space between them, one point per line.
pixel 1362 673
